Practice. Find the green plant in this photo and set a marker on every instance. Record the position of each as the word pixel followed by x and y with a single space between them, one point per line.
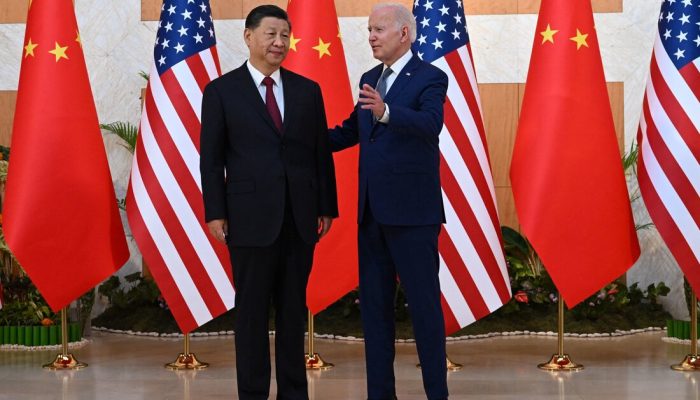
pixel 137 291
pixel 629 165
pixel 124 130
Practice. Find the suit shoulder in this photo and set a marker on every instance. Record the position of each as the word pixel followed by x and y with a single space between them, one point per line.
pixel 226 79
pixel 430 69
pixel 298 79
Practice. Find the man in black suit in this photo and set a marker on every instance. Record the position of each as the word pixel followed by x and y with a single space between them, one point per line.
pixel 396 122
pixel 269 192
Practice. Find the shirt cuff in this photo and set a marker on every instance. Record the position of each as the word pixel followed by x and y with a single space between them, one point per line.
pixel 385 117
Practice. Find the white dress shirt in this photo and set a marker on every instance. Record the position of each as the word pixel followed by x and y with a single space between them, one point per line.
pixel 277 87
pixel 396 67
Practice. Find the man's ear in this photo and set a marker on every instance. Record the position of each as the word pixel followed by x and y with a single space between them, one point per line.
pixel 246 35
pixel 404 34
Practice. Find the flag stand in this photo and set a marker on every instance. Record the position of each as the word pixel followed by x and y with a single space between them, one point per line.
pixel 186 360
pixel 64 360
pixel 692 360
pixel 451 365
pixel 314 360
pixel 560 361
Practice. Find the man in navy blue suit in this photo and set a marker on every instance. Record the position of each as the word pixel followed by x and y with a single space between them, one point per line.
pixel 396 122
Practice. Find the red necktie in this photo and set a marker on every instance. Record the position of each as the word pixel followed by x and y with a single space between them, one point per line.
pixel 271 103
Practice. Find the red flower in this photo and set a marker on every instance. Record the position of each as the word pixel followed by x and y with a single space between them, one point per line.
pixel 521 297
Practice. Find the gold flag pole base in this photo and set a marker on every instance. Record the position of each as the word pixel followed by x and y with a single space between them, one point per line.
pixel 314 361
pixel 560 362
pixel 451 365
pixel 65 362
pixel 690 363
pixel 186 361
pixel 692 360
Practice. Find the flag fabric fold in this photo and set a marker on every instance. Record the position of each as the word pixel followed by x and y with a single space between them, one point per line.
pixel 473 274
pixel 668 136
pixel 164 201
pixel 317 53
pixel 61 219
pixel 567 178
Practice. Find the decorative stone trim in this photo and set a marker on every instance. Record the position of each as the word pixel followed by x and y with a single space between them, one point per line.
pixel 617 333
pixel 57 347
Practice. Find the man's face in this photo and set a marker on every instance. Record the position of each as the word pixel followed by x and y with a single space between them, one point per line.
pixel 268 43
pixel 388 41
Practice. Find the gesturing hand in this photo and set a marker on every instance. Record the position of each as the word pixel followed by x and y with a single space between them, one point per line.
pixel 371 100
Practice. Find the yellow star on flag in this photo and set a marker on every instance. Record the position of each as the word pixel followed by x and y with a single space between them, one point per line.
pixel 580 39
pixel 29 48
pixel 59 52
pixel 293 42
pixel 322 48
pixel 548 35
pixel 77 39
pixel 339 34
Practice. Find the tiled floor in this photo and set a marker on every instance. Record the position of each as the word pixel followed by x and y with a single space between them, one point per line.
pixel 125 367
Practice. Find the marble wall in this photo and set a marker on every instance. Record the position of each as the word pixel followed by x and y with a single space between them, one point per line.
pixel 118 45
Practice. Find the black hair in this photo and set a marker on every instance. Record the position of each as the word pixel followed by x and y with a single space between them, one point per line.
pixel 256 15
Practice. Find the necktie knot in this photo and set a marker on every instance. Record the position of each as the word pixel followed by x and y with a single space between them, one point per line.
pixel 268 82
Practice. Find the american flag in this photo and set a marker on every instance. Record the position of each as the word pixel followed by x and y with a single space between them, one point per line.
pixel 164 202
pixel 473 274
pixel 668 136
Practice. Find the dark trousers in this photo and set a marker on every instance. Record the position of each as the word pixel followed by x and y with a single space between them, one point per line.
pixel 410 252
pixel 277 275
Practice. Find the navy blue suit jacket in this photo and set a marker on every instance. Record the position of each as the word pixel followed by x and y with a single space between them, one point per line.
pixel 400 161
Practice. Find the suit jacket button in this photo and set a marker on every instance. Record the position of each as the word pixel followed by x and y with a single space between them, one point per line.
pixel 372 140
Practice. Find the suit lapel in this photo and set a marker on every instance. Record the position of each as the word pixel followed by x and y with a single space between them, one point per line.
pixel 402 80
pixel 251 92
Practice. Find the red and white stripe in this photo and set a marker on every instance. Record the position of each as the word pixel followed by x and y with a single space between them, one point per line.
pixel 164 202
pixel 473 273
pixel 669 150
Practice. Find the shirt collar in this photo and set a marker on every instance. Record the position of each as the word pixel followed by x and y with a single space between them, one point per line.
pixel 258 76
pixel 399 64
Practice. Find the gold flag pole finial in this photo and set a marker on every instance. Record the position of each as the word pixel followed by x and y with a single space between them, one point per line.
pixel 186 360
pixel 64 360
pixel 692 360
pixel 560 361
pixel 313 359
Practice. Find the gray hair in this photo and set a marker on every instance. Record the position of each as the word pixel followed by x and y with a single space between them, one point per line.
pixel 403 17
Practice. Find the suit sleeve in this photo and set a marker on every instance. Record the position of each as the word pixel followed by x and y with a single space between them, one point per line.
pixel 212 161
pixel 428 118
pixel 347 134
pixel 325 167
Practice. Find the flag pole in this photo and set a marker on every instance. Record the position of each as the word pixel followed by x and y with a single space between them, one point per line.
pixel 560 361
pixel 64 360
pixel 186 360
pixel 692 360
pixel 314 360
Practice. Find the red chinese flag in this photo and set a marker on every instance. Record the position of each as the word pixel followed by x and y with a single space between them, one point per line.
pixel 61 218
pixel 566 173
pixel 317 53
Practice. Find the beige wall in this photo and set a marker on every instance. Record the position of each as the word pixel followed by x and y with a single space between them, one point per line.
pixel 228 9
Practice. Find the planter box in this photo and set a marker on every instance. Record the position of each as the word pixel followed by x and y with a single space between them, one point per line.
pixel 37 335
pixel 679 329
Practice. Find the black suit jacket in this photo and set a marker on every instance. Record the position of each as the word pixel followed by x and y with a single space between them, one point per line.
pixel 247 165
